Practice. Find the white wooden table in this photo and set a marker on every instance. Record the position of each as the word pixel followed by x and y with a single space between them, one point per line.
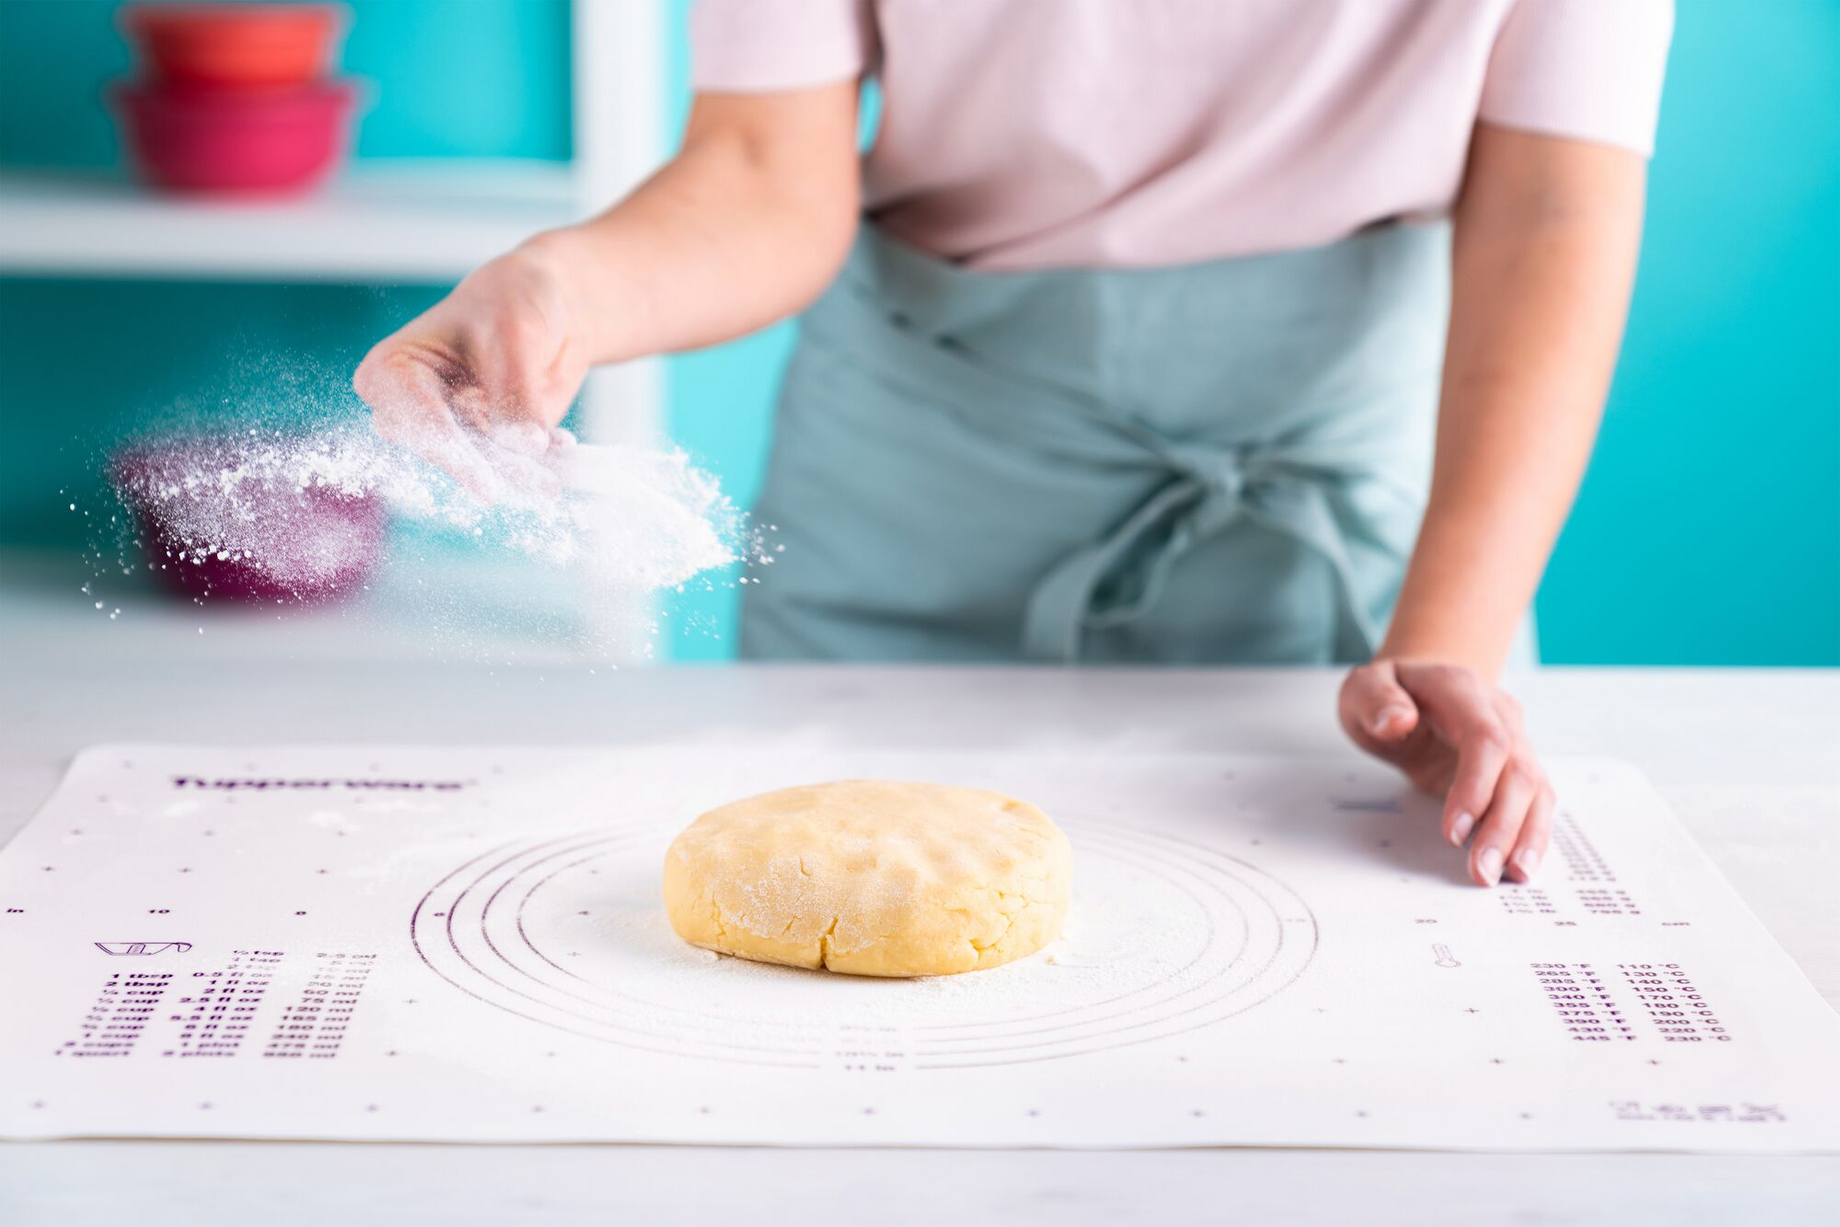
pixel 1750 760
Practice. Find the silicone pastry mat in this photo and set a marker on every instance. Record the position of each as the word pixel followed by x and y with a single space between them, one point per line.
pixel 398 943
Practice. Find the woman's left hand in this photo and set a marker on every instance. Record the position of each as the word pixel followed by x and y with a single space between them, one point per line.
pixel 1453 732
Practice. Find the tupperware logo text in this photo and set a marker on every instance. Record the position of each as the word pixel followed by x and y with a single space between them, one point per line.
pixel 261 785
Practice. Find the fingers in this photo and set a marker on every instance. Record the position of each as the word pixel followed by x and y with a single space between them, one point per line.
pixel 525 438
pixel 409 406
pixel 1530 849
pixel 1479 734
pixel 1376 706
pixel 1481 755
pixel 526 481
pixel 1502 824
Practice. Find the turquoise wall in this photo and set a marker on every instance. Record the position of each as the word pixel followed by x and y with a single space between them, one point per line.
pixel 1708 531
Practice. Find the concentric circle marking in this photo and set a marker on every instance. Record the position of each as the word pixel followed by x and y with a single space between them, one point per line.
pixel 568 932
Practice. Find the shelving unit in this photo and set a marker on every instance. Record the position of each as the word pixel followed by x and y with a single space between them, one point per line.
pixel 388 222
pixel 410 221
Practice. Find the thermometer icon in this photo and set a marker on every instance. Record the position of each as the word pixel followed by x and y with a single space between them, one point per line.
pixel 141 947
pixel 1444 957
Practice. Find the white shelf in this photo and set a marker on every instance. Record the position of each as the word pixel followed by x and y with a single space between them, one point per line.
pixel 381 221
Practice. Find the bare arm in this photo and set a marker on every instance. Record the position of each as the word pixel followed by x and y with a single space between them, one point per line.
pixel 1545 251
pixel 1546 237
pixel 746 225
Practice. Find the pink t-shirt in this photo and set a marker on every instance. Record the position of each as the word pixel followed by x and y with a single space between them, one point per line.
pixel 1042 133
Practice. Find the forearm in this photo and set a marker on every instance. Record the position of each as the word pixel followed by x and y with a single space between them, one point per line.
pixel 1546 234
pixel 745 226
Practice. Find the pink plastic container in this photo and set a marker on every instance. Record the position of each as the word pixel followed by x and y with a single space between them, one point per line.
pixel 235 46
pixel 212 526
pixel 264 142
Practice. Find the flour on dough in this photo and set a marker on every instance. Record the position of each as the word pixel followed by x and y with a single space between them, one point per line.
pixel 871 877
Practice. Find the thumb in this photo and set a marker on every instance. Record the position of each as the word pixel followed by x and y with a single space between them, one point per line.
pixel 1376 704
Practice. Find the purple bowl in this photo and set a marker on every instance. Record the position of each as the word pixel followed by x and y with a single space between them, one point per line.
pixel 228 517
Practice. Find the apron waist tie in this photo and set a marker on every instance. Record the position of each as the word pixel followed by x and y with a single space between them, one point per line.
pixel 1119 577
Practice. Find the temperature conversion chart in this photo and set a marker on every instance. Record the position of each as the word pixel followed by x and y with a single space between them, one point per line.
pixel 469 945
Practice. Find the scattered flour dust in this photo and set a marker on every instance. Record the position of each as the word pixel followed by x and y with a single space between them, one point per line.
pixel 302 512
pixel 647 518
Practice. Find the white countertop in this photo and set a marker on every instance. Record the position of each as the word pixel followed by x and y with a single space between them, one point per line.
pixel 1750 761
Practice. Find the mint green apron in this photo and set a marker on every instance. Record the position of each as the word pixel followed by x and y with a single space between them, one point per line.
pixel 1224 462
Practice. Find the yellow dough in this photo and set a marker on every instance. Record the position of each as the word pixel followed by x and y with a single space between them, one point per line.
pixel 871 877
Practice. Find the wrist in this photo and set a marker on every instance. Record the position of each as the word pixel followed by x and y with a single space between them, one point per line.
pixel 1427 646
pixel 567 263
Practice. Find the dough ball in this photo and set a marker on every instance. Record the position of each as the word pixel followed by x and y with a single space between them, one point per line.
pixel 871 877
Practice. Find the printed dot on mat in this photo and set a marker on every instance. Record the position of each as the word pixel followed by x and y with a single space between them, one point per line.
pixel 1197 1112
pixel 868 1112
pixel 370 1107
pixel 300 913
pixel 536 1107
pixel 1526 1116
pixel 702 1111
pixel 204 1106
pixel 1363 1112
pixel 1034 1111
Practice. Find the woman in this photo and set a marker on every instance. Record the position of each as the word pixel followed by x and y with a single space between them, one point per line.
pixel 1141 352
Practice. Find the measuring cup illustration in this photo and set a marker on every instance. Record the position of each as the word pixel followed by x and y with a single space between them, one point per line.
pixel 142 947
pixel 1444 958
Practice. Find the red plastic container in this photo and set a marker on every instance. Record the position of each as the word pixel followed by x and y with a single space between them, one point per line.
pixel 255 537
pixel 266 142
pixel 235 46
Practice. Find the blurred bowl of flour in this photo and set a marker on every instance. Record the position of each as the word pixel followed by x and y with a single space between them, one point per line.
pixel 250 518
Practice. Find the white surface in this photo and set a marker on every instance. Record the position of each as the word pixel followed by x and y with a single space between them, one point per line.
pixel 280 942
pixel 406 221
pixel 1743 757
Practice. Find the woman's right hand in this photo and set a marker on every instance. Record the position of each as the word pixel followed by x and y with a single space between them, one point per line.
pixel 478 383
pixel 747 224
